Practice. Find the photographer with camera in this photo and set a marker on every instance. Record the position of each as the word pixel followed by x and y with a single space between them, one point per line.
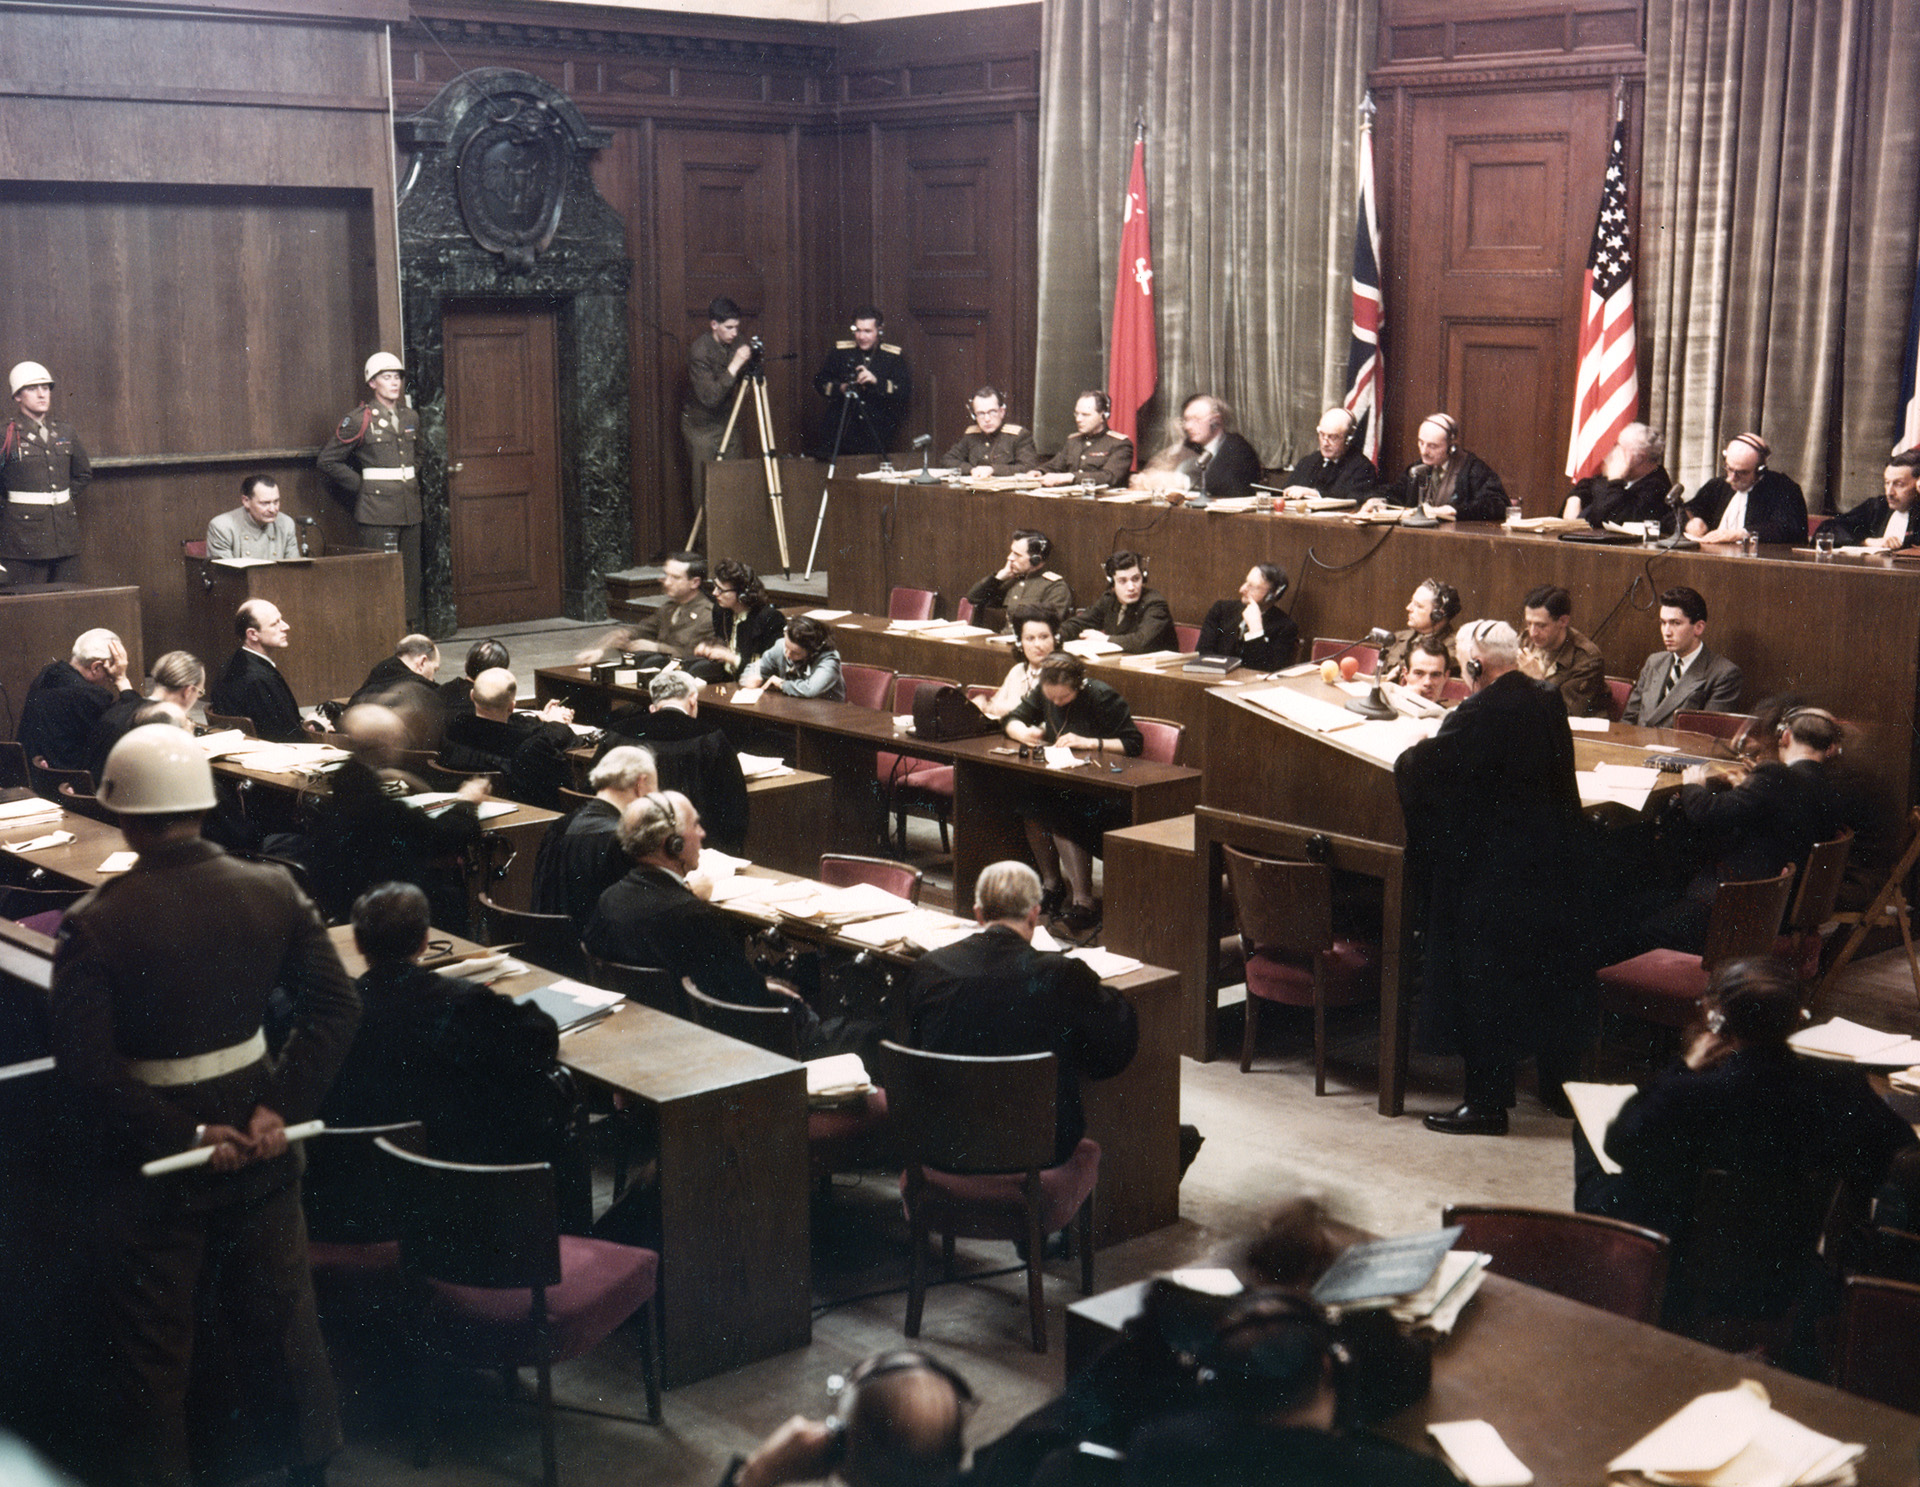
pixel 715 364
pixel 867 385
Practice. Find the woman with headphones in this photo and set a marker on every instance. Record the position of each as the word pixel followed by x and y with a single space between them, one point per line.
pixel 1449 483
pixel 1430 614
pixel 745 624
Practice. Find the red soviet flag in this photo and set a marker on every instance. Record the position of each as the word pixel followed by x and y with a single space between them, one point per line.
pixel 1135 364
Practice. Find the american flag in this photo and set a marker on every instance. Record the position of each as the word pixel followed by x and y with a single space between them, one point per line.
pixel 1365 369
pixel 1606 395
pixel 1906 434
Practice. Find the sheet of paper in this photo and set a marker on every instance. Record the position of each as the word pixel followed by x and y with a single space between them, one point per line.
pixel 1596 788
pixel 1702 1436
pixel 38 843
pixel 1207 1280
pixel 1478 1454
pixel 1846 1039
pixel 828 614
pixel 119 862
pixel 1595 1106
pixel 911 627
pixel 1106 963
pixel 1059 756
pixel 1091 650
pixel 761 766
pixel 747 696
pixel 1589 725
pixel 1305 711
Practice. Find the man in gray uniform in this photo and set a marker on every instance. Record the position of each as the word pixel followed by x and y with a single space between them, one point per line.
pixel 160 984
pixel 256 528
pixel 43 468
pixel 371 454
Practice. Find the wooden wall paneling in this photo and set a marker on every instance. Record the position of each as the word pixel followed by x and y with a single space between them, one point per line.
pixel 622 173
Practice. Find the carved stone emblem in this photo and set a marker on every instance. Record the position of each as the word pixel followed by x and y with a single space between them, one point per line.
pixel 513 177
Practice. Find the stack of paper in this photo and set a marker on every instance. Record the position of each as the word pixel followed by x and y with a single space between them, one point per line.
pixel 1626 784
pixel 282 758
pixel 1850 1042
pixel 911 627
pixel 1384 1272
pixel 30 810
pixel 763 766
pixel 1231 505
pixel 845 905
pixel 1735 1438
pixel 1906 1080
pixel 1311 504
pixel 823 615
pixel 1106 963
pixel 953 630
pixel 917 930
pixel 1091 650
pixel 435 801
pixel 1640 529
pixel 1156 660
pixel 1437 1305
pixel 1303 710
pixel 1546 524
pixel 839 1080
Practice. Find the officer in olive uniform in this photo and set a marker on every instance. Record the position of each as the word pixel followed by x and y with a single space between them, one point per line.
pixel 1023 582
pixel 371 454
pixel 876 375
pixel 991 445
pixel 44 468
pixel 1094 453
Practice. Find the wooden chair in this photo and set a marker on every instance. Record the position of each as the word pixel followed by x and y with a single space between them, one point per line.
pixel 978 1136
pixel 1723 726
pixel 867 686
pixel 1163 739
pixel 1879 1351
pixel 1889 903
pixel 842 869
pixel 897 774
pixel 352 1210
pixel 221 722
pixel 912 604
pixel 776 1029
pixel 551 941
pixel 1665 986
pixel 963 611
pixel 1186 637
pixel 1619 689
pixel 440 777
pixel 648 985
pixel 1285 915
pixel 13 766
pixel 499 1286
pixel 1603 1262
pixel 1799 943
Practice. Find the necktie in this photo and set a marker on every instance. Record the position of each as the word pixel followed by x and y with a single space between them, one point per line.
pixel 1673 680
pixel 1200 470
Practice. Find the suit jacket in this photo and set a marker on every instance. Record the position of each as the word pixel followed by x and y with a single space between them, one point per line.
pixel 1603 500
pixel 651 918
pixel 252 687
pixel 1220 635
pixel 993 994
pixel 579 859
pixel 1711 685
pixel 695 757
pixel 61 711
pixel 531 755
pixel 1233 469
pixel 1776 508
pixel 421 705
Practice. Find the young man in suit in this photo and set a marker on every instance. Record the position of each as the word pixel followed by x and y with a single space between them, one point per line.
pixel 1684 676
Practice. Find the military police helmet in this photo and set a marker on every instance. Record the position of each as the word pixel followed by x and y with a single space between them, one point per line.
pixel 155 770
pixel 382 361
pixel 28 374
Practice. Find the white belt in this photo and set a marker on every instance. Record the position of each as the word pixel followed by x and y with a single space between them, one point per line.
pixel 167 1072
pixel 40 498
pixel 387 472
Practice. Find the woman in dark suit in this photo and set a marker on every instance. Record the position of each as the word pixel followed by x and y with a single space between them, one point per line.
pixel 745 623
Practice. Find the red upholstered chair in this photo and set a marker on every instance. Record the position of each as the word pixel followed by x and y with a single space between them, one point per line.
pixel 1619 689
pixel 1880 1341
pixel 498 1286
pixel 1455 689
pixel 867 686
pixel 963 611
pixel 978 1135
pixel 1800 943
pixel 837 1140
pixel 842 870
pixel 1163 739
pixel 1616 1266
pixel 981 693
pixel 1715 725
pixel 353 1220
pixel 194 547
pixel 1186 637
pixel 897 773
pixel 1285 914
pixel 1665 986
pixel 912 604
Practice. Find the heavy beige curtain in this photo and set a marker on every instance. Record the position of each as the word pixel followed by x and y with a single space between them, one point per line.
pixel 1781 181
pixel 1252 112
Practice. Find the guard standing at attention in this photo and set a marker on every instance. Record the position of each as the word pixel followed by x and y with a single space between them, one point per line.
pixel 44 468
pixel 371 454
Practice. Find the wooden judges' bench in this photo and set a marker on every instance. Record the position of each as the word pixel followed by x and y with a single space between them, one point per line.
pixel 1843 631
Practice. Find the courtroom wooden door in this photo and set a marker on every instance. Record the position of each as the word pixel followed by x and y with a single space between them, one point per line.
pixel 503 461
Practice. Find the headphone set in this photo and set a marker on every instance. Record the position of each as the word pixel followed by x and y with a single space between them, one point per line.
pixel 1759 446
pixel 1474 669
pixel 1100 401
pixel 1446 597
pixel 665 814
pixel 1039 545
pixel 895 1360
pixel 1447 422
pixel 1139 561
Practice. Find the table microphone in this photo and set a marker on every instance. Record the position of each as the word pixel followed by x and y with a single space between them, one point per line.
pixel 926 476
pixel 1679 541
pixel 1373 705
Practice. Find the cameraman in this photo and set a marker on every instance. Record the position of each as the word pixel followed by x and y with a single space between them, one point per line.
pixel 714 367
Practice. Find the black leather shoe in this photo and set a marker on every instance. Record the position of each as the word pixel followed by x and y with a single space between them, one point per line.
pixel 1468 1120
pixel 1053 900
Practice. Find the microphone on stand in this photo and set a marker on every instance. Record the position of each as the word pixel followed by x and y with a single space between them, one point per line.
pixel 924 443
pixel 1679 541
pixel 1373 705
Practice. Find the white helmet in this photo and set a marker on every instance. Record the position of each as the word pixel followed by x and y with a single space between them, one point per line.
pixel 28 374
pixel 382 361
pixel 154 770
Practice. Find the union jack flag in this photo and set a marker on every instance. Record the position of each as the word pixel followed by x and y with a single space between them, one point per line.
pixel 1365 367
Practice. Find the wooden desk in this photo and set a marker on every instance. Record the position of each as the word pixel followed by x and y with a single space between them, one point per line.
pixel 75 865
pixel 41 624
pixel 735 1267
pixel 345 611
pixel 838 740
pixel 1570 1387
pixel 1777 615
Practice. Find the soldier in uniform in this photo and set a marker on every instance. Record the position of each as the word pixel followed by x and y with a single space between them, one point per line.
pixel 44 468
pixel 991 445
pixel 371 454
pixel 876 375
pixel 1094 453
pixel 714 364
pixel 1023 582
pixel 160 982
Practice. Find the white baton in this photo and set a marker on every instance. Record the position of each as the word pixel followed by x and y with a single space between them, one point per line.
pixel 199 1156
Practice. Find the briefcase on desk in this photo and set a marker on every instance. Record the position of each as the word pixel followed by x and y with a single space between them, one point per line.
pixel 943 713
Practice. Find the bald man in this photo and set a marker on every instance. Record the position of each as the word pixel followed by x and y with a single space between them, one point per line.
pixel 1337 466
pixel 1748 497
pixel 528 750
